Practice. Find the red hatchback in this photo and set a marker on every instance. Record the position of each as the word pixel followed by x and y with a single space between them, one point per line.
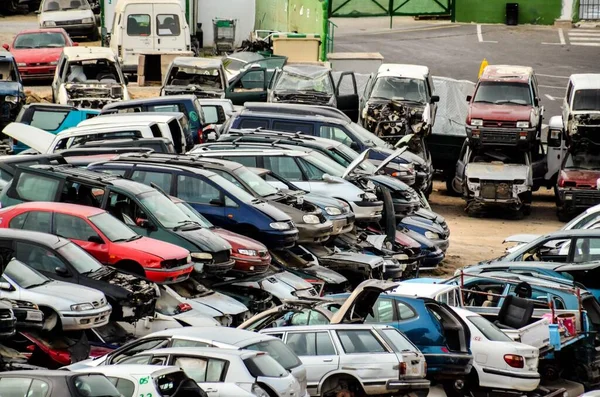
pixel 37 51
pixel 104 237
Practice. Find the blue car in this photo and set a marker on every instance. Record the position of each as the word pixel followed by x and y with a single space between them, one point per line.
pixel 11 89
pixel 50 117
pixel 220 201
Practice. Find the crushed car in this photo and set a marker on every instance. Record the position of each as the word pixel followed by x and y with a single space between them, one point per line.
pixel 310 84
pixel 202 77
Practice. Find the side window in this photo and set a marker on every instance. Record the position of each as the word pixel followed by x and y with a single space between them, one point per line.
pixel 73 227
pixel 38 221
pixel 293 127
pixel 251 81
pixel 311 343
pixel 202 369
pixel 189 343
pixel 23 387
pixel 61 69
pixel 586 250
pixel 383 312
pixel 38 388
pixel 161 179
pixel 48 120
pixel 360 341
pixel 195 190
pixel 138 25
pixel 32 187
pixel 38 257
pixel 168 25
pixel 284 166
pixel 254 123
pixel 124 209
pixel 312 173
pixel 142 360
pixel 334 133
pixel 124 386
pixel 404 311
pixel 230 203
pixel 138 348
pixel 246 161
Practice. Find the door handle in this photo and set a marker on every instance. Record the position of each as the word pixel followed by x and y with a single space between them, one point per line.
pixel 158 41
pixel 210 390
pixel 328 360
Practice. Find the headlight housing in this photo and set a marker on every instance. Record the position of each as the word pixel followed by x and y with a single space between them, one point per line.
pixel 522 124
pixel 432 235
pixel 201 255
pixel 280 226
pixel 21 64
pixel 312 219
pixel 87 20
pixel 80 307
pixel 11 99
pixel 49 24
pixel 247 252
pixel 476 122
pixel 333 211
pixel 54 63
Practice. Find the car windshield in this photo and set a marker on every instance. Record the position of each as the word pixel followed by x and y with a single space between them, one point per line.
pixel 298 82
pixel 79 259
pixel 163 209
pixel 366 137
pixel 488 329
pixel 586 100
pixel 62 5
pixel 93 71
pixel 255 182
pixel 400 89
pixel 325 164
pixel 209 77
pixel 503 93
pixel 279 351
pixel 582 161
pixel 232 189
pixel 39 40
pixel 24 276
pixel 112 228
pixel 95 385
pixel 193 214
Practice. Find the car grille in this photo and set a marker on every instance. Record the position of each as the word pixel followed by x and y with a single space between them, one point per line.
pixel 71 22
pixel 496 190
pixel 100 303
pixel 38 64
pixel 172 263
pixel 499 137
pixel 499 124
pixel 589 198
pixel 221 256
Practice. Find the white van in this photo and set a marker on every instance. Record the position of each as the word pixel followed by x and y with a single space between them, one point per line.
pixel 170 124
pixel 148 27
pixel 581 105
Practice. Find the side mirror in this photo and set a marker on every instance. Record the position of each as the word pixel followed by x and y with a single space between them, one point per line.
pixel 143 223
pixel 96 240
pixel 125 80
pixel 4 286
pixel 61 271
pixel 354 146
pixel 554 138
pixel 75 44
pixel 6 47
pixel 217 202
pixel 469 97
pixel 435 98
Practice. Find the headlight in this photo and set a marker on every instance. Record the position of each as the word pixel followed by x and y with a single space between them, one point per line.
pixel 11 99
pixel 522 124
pixel 370 185
pixel 333 211
pixel 370 197
pixel 201 255
pixel 247 252
pixel 188 259
pixel 432 235
pixel 476 122
pixel 21 64
pixel 280 226
pixel 400 257
pixel 259 391
pixel 87 20
pixel 82 307
pixel 568 197
pixel 49 23
pixel 310 219
pixel 54 63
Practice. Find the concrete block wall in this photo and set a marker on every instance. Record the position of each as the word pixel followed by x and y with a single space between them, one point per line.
pixel 538 12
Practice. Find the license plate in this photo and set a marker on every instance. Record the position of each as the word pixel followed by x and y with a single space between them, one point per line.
pixel 34 316
pixel 415 370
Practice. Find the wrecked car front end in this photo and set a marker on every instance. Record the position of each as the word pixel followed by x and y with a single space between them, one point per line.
pixel 392 119
pixel 92 95
pixel 312 225
pixel 202 77
pixel 498 184
pixel 577 188
pixel 584 125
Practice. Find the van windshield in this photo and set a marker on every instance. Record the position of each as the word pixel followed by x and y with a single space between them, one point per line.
pixel 297 82
pixel 503 93
pixel 63 5
pixel 586 100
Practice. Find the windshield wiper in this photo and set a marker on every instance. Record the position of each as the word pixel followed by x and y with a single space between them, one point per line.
pixel 482 101
pixel 39 284
pixel 132 238
pixel 512 102
pixel 186 222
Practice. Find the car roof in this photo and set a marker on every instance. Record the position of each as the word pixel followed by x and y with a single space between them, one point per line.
pixel 572 233
pixel 129 369
pixel 294 108
pixel 154 101
pixel 403 70
pixel 182 159
pixel 6 55
pixel 10 159
pixel 40 373
pixel 164 166
pixel 586 80
pixel 232 336
pixel 255 152
pixel 195 62
pixel 66 208
pixel 283 137
pixel 507 73
pixel 343 327
pixel 426 290
pixel 48 239
pixel 149 117
pixel 82 53
pixel 53 106
pixel 199 351
pixel 109 126
pixel 297 117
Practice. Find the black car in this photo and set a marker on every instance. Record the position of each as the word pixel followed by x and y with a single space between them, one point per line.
pixel 8 320
pixel 131 298
pixel 8 164
pixel 28 314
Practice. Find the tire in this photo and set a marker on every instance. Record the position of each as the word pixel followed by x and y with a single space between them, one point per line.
pixel 450 188
pixel 389 214
pixel 95 35
pixel 12 6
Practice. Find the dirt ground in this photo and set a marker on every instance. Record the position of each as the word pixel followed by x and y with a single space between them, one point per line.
pixel 475 239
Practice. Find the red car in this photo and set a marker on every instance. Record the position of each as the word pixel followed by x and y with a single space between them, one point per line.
pixel 104 237
pixel 37 51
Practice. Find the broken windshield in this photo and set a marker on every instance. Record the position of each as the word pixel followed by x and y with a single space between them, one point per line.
pixel 210 77
pixel 63 5
pixel 297 82
pixel 586 100
pixel 502 93
pixel 400 88
pixel 93 70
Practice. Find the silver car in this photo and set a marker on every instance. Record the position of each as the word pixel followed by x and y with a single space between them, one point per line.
pixel 70 306
pixel 357 359
pixel 226 372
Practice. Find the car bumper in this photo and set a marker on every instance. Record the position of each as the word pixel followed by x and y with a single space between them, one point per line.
pixel 85 319
pixel 278 239
pixel 219 268
pixel 315 233
pixel 244 264
pixel 501 136
pixel 29 319
pixel 408 385
pixel 83 29
pixel 343 225
pixel 577 200
pixel 513 380
pixel 367 211
pixel 403 208
pixel 441 244
pixel 432 259
pixel 7 326
pixel 37 72
pixel 169 276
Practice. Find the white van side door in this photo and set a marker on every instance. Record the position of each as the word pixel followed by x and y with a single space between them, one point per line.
pixel 171 28
pixel 137 32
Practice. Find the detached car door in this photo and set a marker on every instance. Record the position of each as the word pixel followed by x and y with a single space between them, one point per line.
pixel 346 92
pixel 249 86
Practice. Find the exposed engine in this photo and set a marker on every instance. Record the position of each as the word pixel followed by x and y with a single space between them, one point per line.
pixel 391 120
pixel 93 96
pixel 194 90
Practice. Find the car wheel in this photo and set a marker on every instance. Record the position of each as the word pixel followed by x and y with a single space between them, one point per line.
pixel 12 6
pixel 51 320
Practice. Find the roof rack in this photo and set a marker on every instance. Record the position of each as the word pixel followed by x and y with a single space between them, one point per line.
pixel 71 170
pixel 267 133
pixel 103 150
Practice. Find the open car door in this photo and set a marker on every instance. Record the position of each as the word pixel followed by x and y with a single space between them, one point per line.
pixel 249 86
pixel 346 92
pixel 360 303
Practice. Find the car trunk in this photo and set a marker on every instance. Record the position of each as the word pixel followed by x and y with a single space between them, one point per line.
pixel 456 332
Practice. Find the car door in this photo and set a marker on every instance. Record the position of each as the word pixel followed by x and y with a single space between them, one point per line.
pixel 139 33
pixel 83 234
pixel 249 86
pixel 538 162
pixel 461 164
pixel 566 106
pixel 204 197
pixel 44 261
pixel 58 74
pixel 317 352
pixel 346 93
pixel 208 372
pixel 556 150
pixel 135 347
pixel 169 29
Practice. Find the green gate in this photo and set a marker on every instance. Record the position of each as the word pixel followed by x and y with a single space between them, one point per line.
pixel 373 8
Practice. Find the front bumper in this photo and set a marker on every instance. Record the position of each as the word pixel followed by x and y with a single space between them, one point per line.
pixel 37 72
pixel 573 201
pixel 501 136
pixel 219 268
pixel 367 211
pixel 29 318
pixel 7 326
pixel 342 224
pixel 499 193
pixel 245 264
pixel 404 207
pixel 432 259
pixel 84 29
pixel 85 319
pixel 314 233
pixel 169 276
pixel 278 239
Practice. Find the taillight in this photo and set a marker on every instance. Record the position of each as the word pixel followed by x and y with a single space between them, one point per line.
pixel 514 360
pixel 445 350
pixel 200 135
pixel 561 182
pixel 402 369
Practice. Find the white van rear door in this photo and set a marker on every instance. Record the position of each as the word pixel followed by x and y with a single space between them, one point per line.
pixel 138 32
pixel 171 28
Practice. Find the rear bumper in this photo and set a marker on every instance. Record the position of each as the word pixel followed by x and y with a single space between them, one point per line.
pixel 408 385
pixel 169 276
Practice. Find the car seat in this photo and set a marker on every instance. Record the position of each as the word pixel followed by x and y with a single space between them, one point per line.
pixel 515 312
pixel 75 4
pixel 53 6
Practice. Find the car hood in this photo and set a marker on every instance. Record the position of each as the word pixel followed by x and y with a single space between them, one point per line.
pixel 391 183
pixel 273 212
pixel 355 163
pixel 65 15
pixel 360 303
pixel 219 303
pixel 497 172
pixel 67 291
pixel 373 261
pixel 583 177
pixel 204 239
pixel 238 240
pixel 396 153
pixel 154 247
pixel 35 138
pixel 36 55
pixel 489 111
pixel 325 274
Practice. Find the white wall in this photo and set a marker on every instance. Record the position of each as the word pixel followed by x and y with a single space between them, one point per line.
pixel 242 10
pixel 567 10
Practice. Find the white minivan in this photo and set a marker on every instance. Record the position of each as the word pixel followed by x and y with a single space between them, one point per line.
pixel 148 27
pixel 581 105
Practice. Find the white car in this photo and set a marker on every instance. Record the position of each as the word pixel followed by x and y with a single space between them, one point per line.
pixel 498 361
pixel 146 380
pixel 74 16
pixel 226 372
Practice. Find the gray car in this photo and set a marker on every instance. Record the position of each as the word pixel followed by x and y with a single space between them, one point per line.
pixel 70 306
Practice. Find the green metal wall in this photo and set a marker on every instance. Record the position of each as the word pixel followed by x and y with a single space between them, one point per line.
pixel 539 12
pixel 371 8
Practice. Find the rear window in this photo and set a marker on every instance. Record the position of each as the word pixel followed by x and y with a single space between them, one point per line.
pixel 488 329
pixel 32 187
pixel 48 120
pixel 254 123
pixel 277 350
pixel 264 365
pixel 360 341
pixel 95 386
pixel 124 386
pixel 397 340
